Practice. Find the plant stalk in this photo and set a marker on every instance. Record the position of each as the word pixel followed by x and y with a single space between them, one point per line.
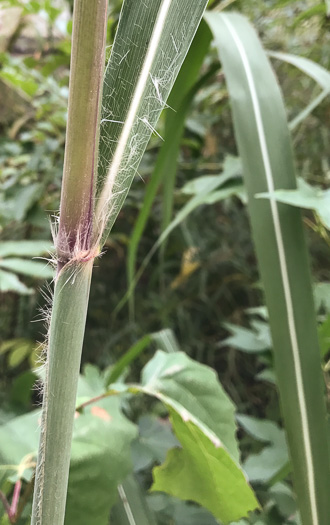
pixel 81 147
pixel 76 250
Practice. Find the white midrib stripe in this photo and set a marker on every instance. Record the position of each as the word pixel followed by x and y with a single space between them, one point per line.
pixel 126 504
pixel 134 107
pixel 284 271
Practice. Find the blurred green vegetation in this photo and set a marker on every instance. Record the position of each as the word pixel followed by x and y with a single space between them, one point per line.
pixel 203 284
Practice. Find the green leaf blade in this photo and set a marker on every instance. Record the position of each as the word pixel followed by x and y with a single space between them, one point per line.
pixel 24 248
pixel 132 506
pixel 192 388
pixel 261 128
pixel 309 67
pixel 151 43
pixel 205 473
pixel 100 460
pixel 305 196
pixel 36 269
pixel 9 282
pixel 180 99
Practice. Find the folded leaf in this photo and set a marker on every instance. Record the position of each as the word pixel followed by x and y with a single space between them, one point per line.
pixel 193 390
pixel 204 472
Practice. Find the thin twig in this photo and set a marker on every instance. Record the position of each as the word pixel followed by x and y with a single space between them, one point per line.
pixel 6 505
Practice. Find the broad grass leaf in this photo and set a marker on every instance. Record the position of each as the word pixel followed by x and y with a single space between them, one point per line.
pixel 311 68
pixel 151 43
pixel 181 96
pixel 263 141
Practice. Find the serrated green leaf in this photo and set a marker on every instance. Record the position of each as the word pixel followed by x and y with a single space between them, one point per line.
pixel 100 458
pixel 203 413
pixel 203 471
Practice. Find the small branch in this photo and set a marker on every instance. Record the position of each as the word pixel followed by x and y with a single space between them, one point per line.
pixel 15 500
pixel 131 388
pixel 24 499
pixel 97 398
pixel 6 505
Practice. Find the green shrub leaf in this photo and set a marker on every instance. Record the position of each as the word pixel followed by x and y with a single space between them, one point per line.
pixel 305 196
pixel 204 472
pixel 100 460
pixel 192 390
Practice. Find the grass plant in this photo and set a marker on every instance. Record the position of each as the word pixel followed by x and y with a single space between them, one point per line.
pixel 150 46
